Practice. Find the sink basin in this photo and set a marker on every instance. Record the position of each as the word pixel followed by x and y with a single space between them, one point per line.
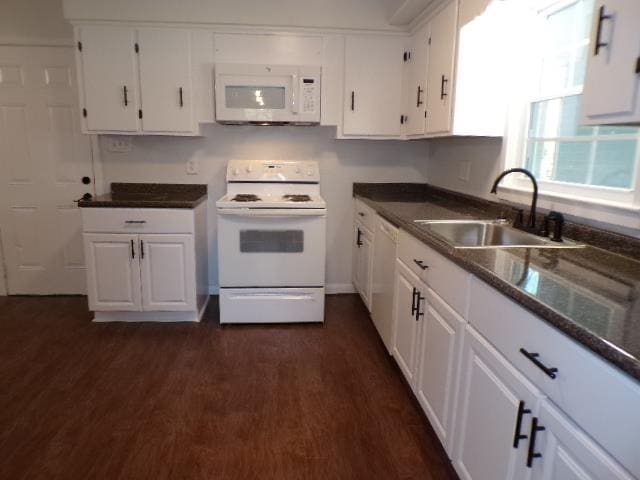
pixel 488 234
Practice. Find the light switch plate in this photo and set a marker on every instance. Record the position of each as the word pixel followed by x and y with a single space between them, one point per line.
pixel 192 167
pixel 119 143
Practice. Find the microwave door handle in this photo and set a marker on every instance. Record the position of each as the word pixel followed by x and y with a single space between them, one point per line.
pixel 294 93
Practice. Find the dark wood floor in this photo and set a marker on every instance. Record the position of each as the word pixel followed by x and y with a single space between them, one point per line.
pixel 80 400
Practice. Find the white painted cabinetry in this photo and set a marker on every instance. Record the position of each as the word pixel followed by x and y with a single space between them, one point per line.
pixel 612 82
pixel 415 83
pixel 135 80
pixel 362 253
pixel 373 85
pixel 150 266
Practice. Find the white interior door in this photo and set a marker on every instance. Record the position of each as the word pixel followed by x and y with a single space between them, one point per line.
pixel 440 69
pixel 110 78
pixel 165 79
pixel 113 271
pixel 168 272
pixel 43 159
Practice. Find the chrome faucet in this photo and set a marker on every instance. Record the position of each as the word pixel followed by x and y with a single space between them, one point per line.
pixel 531 224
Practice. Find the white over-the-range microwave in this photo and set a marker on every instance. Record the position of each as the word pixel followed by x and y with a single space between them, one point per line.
pixel 267 94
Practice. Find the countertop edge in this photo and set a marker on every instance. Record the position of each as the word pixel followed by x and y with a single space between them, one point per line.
pixel 578 333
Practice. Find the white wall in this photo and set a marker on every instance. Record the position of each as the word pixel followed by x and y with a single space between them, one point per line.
pixel 163 159
pixel 447 155
pixel 352 14
pixel 33 22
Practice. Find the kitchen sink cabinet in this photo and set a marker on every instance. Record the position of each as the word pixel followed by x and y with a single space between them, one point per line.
pixel 611 92
pixel 135 81
pixel 495 411
pixel 372 86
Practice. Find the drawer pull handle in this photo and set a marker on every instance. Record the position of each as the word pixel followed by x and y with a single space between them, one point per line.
pixel 362 214
pixel 550 371
pixel 413 301
pixel 532 454
pixel 421 264
pixel 135 222
pixel 517 436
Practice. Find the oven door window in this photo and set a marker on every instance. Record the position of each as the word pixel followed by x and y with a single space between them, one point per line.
pixel 271 241
pixel 255 98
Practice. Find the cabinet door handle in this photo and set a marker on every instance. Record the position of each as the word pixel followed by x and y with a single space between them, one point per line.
pixel 419 100
pixel 517 436
pixel 135 222
pixel 181 99
pixel 126 98
pixel 362 214
pixel 359 239
pixel 419 298
pixel 353 101
pixel 531 453
pixel 598 44
pixel 413 301
pixel 442 84
pixel 533 357
pixel 133 250
pixel 141 250
pixel 421 264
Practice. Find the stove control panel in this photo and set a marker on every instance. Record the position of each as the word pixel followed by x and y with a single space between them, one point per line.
pixel 286 171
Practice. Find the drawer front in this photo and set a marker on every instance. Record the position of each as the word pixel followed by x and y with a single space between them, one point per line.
pixel 598 397
pixel 137 220
pixel 365 215
pixel 445 278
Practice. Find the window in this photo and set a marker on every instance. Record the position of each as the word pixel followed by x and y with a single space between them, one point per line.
pixel 559 151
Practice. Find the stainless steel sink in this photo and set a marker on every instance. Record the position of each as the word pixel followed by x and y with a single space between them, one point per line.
pixel 488 234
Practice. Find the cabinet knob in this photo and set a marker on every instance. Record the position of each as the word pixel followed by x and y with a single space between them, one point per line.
pixel 86 180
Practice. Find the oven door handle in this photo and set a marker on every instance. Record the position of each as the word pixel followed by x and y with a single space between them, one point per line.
pixel 273 212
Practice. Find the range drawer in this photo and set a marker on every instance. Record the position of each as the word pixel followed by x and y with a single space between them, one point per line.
pixel 137 220
pixel 365 215
pixel 444 277
pixel 598 397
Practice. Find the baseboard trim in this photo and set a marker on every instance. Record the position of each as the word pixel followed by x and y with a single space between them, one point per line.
pixel 330 289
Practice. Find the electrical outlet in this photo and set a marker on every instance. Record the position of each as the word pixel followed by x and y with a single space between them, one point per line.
pixel 192 167
pixel 465 171
pixel 119 144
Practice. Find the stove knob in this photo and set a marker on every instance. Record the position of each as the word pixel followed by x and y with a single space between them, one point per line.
pixel 235 172
pixel 309 172
pixel 249 169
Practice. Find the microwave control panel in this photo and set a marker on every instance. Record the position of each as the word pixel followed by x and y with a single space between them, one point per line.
pixel 309 87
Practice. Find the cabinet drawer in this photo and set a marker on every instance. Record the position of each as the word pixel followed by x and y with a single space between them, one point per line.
pixel 444 277
pixel 365 215
pixel 598 397
pixel 137 220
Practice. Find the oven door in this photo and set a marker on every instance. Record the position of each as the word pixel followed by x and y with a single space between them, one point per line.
pixel 271 247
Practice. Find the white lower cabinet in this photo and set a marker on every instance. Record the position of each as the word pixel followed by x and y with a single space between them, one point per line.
pixel 113 272
pixel 495 411
pixel 567 453
pixel 440 346
pixel 409 309
pixel 363 262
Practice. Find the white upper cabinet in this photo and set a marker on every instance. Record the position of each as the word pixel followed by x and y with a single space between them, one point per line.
pixel 109 78
pixel 440 73
pixel 415 93
pixel 612 82
pixel 165 80
pixel 373 86
pixel 136 81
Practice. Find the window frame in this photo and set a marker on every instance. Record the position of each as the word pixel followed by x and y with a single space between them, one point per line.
pixel 607 204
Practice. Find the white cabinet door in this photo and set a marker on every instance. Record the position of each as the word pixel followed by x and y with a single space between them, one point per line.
pixel 385 240
pixel 496 404
pixel 567 453
pixel 168 272
pixel 109 78
pixel 363 262
pixel 612 82
pixel 165 80
pixel 113 271
pixel 416 83
pixel 373 85
pixel 440 69
pixel 409 309
pixel 439 360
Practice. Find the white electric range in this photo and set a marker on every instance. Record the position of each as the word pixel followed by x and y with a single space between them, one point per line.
pixel 272 243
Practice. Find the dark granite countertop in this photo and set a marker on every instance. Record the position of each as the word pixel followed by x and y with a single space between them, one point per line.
pixel 149 195
pixel 590 294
